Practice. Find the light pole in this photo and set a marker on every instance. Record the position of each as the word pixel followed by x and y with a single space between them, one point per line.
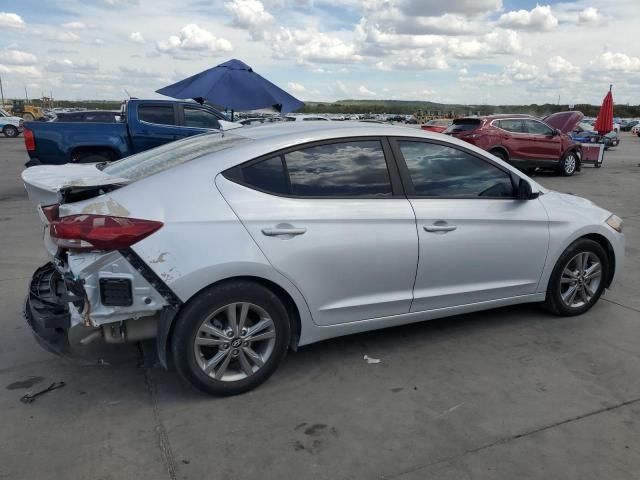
pixel 1 93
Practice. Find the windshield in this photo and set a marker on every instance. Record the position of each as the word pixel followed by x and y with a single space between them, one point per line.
pixel 3 113
pixel 156 160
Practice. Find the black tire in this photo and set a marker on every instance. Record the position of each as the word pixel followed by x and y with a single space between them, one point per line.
pixel 568 164
pixel 10 131
pixel 500 154
pixel 91 157
pixel 553 301
pixel 194 313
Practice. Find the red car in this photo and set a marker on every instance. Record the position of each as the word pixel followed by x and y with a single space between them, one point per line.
pixel 525 141
pixel 437 125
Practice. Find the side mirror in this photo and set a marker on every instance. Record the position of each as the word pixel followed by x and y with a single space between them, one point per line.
pixel 556 132
pixel 524 191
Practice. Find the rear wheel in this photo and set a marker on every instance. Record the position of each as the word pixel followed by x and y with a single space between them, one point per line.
pixel 10 131
pixel 91 157
pixel 500 154
pixel 27 117
pixel 569 164
pixel 230 338
pixel 578 279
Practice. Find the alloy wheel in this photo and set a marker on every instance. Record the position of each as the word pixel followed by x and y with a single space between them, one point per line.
pixel 234 342
pixel 580 279
pixel 570 164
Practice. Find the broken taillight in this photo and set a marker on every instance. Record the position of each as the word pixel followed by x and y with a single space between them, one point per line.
pixel 51 212
pixel 29 139
pixel 100 232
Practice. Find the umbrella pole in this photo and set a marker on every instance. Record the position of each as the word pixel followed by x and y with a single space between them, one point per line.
pixel 232 115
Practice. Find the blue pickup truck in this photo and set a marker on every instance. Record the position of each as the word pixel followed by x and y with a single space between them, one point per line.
pixel 143 124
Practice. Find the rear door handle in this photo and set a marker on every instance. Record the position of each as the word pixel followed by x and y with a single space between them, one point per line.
pixel 273 232
pixel 439 228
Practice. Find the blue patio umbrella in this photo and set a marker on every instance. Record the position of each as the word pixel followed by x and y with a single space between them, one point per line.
pixel 235 86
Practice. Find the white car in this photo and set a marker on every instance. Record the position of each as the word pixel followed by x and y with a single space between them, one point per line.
pixel 10 126
pixel 232 248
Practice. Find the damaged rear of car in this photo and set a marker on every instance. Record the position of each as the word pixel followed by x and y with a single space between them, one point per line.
pixel 95 282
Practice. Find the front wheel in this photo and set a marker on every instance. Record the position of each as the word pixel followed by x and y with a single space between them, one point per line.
pixel 569 164
pixel 578 279
pixel 10 131
pixel 230 338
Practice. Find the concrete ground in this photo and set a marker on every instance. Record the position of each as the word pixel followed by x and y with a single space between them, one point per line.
pixel 508 393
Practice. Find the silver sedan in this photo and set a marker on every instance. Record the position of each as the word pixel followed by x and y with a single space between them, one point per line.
pixel 231 249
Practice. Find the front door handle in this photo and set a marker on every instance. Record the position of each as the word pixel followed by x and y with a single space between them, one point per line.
pixel 273 232
pixel 439 228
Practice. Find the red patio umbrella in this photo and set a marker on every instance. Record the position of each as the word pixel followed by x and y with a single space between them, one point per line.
pixel 604 122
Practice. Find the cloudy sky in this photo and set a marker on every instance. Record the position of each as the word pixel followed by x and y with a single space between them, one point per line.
pixel 466 51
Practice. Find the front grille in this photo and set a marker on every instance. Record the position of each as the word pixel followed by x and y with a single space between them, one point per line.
pixel 116 292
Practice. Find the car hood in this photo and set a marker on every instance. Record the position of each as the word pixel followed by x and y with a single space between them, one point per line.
pixel 44 182
pixel 11 120
pixel 564 121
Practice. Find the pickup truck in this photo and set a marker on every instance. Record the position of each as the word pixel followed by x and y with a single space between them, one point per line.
pixel 143 124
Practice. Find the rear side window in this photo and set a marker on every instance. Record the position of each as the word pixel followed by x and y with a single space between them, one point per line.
pixel 346 169
pixel 514 125
pixel 159 114
pixel 441 171
pixel 268 175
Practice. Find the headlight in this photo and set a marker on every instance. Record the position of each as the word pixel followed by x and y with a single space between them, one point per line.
pixel 615 222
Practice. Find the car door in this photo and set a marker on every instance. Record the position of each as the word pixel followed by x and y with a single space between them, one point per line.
pixel 513 137
pixel 548 145
pixel 332 218
pixel 156 126
pixel 477 242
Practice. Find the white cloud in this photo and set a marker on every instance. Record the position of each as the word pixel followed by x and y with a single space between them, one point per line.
pixel 539 18
pixel 362 90
pixel 296 87
pixel 557 66
pixel 250 15
pixel 66 65
pixel 192 38
pixel 11 20
pixel 621 62
pixel 74 25
pixel 136 37
pixel 27 71
pixel 12 56
pixel 65 37
pixel 415 60
pixel 306 46
pixel 439 7
pixel 521 71
pixel 589 15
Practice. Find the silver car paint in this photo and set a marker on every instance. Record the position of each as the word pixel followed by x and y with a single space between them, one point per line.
pixel 356 260
pixel 203 241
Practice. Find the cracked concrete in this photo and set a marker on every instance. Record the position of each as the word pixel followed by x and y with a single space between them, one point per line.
pixel 507 393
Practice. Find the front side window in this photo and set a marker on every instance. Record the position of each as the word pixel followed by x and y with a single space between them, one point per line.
pixel 442 171
pixel 537 128
pixel 349 169
pixel 199 118
pixel 158 114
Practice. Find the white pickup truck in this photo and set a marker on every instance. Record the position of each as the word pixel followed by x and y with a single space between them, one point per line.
pixel 10 126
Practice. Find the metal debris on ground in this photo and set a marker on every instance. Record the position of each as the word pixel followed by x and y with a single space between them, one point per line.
pixel 371 359
pixel 31 397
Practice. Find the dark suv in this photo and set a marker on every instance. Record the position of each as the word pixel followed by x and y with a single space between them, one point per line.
pixel 523 140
